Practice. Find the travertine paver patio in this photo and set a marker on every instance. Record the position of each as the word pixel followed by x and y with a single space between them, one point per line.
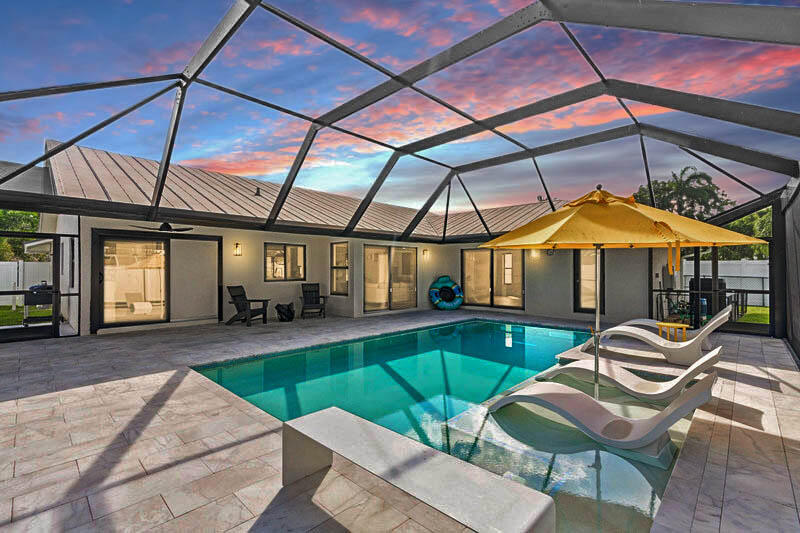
pixel 739 469
pixel 112 432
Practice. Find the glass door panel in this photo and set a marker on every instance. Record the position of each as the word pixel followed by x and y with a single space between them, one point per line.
pixel 586 279
pixel 134 281
pixel 28 287
pixel 476 266
pixel 508 278
pixel 376 278
pixel 404 278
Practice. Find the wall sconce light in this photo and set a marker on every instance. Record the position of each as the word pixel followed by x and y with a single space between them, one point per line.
pixel 425 253
pixel 237 249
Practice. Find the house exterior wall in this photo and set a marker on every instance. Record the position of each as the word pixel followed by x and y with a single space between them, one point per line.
pixel 548 278
pixel 549 284
pixel 248 270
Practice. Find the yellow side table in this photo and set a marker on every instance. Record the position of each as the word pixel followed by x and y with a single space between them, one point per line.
pixel 672 326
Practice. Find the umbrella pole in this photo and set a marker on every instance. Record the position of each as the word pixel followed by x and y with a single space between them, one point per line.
pixel 597 282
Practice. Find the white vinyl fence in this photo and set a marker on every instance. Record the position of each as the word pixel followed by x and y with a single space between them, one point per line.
pixel 748 274
pixel 19 275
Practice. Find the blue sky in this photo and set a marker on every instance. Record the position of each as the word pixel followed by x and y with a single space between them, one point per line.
pixel 56 42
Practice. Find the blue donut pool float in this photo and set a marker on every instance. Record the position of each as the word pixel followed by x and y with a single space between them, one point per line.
pixel 446 294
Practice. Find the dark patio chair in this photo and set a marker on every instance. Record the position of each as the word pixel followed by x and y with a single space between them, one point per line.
pixel 245 312
pixel 313 302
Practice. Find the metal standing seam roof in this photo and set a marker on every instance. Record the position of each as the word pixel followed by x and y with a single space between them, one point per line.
pixel 83 172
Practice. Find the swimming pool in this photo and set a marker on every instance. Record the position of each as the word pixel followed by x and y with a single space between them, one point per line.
pixel 428 384
pixel 409 382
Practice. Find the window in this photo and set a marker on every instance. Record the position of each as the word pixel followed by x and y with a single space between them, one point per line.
pixel 493 278
pixel 134 281
pixel 508 271
pixel 390 277
pixel 340 272
pixel 583 267
pixel 284 262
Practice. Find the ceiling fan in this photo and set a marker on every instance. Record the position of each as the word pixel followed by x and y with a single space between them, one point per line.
pixel 165 226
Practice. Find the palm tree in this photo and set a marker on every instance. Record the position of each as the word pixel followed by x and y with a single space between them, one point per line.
pixel 690 193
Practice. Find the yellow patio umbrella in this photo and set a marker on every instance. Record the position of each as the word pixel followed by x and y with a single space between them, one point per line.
pixel 602 220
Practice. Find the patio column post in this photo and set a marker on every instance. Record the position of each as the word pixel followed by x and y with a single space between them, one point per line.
pixel 778 266
pixel 597 281
pixel 696 306
pixel 715 301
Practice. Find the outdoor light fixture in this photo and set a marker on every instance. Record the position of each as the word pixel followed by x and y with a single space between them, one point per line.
pixel 237 249
pixel 425 253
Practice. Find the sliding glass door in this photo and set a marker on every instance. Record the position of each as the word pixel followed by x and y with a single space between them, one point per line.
pixel 585 279
pixel 390 278
pixel 403 281
pixel 476 269
pixel 493 278
pixel 376 278
pixel 134 281
pixel 508 276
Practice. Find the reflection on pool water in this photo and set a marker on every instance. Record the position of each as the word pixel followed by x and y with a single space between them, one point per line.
pixel 415 382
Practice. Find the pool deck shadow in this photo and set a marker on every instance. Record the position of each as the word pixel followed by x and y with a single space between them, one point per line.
pixel 115 431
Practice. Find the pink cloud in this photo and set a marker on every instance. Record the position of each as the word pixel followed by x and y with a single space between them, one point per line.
pixel 172 58
pixel 285 46
pixel 255 163
pixel 402 118
pixel 725 69
pixel 506 7
pixel 384 18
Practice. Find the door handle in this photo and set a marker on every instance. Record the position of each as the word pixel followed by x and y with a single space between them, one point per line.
pixel 100 277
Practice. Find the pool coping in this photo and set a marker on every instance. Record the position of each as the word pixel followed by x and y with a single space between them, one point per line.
pixel 322 345
pixel 688 476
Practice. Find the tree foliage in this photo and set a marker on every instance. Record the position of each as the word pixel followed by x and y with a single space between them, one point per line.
pixel 693 194
pixel 13 248
pixel 690 193
pixel 758 224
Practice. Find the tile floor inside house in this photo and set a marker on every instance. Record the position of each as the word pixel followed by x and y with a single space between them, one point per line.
pixel 116 432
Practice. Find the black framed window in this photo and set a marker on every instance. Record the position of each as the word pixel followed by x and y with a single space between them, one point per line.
pixel 493 278
pixel 584 273
pixel 284 262
pixel 340 271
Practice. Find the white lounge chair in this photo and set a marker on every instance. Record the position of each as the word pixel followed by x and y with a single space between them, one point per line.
pixel 600 424
pixel 614 375
pixel 677 352
pixel 651 323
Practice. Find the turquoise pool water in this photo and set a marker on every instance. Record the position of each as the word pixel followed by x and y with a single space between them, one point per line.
pixel 428 384
pixel 409 382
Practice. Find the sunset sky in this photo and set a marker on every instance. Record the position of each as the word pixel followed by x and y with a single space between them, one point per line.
pixel 56 42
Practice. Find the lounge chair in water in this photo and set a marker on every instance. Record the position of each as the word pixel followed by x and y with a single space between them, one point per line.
pixel 680 353
pixel 614 375
pixel 647 436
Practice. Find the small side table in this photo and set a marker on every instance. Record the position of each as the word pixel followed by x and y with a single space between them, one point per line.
pixel 672 326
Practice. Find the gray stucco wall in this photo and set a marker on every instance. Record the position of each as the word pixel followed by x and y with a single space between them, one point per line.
pixel 549 284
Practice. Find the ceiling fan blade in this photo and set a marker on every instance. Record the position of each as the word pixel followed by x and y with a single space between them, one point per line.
pixel 182 229
pixel 143 227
